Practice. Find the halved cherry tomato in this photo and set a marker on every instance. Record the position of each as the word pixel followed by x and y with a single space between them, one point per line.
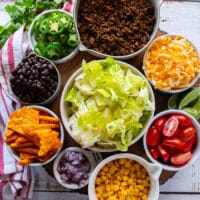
pixel 183 119
pixel 181 158
pixel 189 144
pixel 159 123
pixel 153 136
pixel 154 152
pixel 164 153
pixel 187 133
pixel 170 127
pixel 172 143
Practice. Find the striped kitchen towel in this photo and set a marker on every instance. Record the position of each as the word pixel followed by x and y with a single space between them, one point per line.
pixel 16 182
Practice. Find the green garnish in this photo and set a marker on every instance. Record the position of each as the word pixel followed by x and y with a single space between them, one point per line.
pixel 23 13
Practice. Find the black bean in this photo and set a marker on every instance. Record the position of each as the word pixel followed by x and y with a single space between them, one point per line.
pixel 34 79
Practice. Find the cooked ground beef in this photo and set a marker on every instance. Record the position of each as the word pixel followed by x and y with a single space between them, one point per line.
pixel 115 27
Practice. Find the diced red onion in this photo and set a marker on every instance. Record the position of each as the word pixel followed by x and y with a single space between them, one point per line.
pixel 74 167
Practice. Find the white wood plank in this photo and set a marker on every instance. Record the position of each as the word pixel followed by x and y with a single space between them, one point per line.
pixel 181 17
pixel 179 197
pixel 187 180
pixel 72 196
pixel 58 196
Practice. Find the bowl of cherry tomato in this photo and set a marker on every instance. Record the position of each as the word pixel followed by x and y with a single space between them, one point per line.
pixel 172 140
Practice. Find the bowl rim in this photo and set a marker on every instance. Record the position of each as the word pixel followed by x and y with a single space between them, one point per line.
pixel 61 131
pixel 82 47
pixel 153 170
pixel 53 96
pixel 57 160
pixel 192 83
pixel 195 153
pixel 64 59
pixel 67 87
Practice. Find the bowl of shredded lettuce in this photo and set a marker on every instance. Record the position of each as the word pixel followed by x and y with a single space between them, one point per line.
pixel 106 105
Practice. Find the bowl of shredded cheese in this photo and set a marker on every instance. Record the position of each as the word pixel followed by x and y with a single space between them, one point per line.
pixel 172 64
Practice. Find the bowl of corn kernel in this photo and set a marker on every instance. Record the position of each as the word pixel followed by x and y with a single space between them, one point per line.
pixel 124 176
pixel 172 64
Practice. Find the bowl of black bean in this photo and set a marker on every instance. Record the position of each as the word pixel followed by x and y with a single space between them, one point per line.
pixel 122 29
pixel 35 80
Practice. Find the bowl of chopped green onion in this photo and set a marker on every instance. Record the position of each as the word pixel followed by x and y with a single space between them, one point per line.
pixel 52 35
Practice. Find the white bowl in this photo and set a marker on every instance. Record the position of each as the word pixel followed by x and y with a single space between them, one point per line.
pixel 101 147
pixel 172 91
pixel 82 47
pixel 51 113
pixel 32 41
pixel 195 152
pixel 153 171
pixel 89 155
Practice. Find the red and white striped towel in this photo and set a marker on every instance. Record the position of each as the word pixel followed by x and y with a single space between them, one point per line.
pixel 16 182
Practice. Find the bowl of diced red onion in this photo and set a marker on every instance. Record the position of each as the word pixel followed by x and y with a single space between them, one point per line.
pixel 73 166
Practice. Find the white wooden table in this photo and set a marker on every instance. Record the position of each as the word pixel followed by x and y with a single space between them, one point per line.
pixel 177 17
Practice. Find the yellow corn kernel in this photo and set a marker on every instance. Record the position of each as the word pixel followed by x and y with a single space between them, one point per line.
pixel 125 178
pixel 125 183
pixel 108 188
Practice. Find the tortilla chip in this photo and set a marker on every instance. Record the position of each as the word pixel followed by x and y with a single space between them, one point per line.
pixel 21 117
pixel 9 132
pixel 26 161
pixel 33 135
pixel 10 139
pixel 31 150
pixel 48 119
pixel 27 156
pixel 16 146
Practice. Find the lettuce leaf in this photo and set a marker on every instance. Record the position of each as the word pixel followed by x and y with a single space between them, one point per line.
pixel 110 103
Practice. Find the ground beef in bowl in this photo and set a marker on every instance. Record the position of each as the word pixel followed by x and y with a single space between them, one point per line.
pixel 115 27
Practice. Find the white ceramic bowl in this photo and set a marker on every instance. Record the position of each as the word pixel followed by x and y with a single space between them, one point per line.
pixel 89 157
pixel 55 93
pixel 82 47
pixel 195 152
pixel 32 41
pixel 162 57
pixel 153 171
pixel 61 131
pixel 65 114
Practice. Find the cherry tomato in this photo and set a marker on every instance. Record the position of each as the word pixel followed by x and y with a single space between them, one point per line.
pixel 187 133
pixel 181 158
pixel 159 123
pixel 183 120
pixel 153 136
pixel 172 143
pixel 189 144
pixel 154 152
pixel 170 127
pixel 164 153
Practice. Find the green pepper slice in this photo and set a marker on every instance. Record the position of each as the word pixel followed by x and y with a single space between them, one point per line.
pixel 71 27
pixel 44 26
pixel 52 51
pixel 72 40
pixel 65 19
pixel 55 26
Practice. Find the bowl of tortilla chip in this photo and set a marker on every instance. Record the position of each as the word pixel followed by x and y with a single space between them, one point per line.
pixel 34 135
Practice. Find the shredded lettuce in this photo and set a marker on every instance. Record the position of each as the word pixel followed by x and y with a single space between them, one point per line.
pixel 109 103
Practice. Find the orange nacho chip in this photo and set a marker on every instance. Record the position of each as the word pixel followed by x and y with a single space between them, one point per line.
pixel 23 116
pixel 33 135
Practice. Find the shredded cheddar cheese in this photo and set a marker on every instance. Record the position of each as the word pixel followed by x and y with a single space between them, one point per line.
pixel 171 63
